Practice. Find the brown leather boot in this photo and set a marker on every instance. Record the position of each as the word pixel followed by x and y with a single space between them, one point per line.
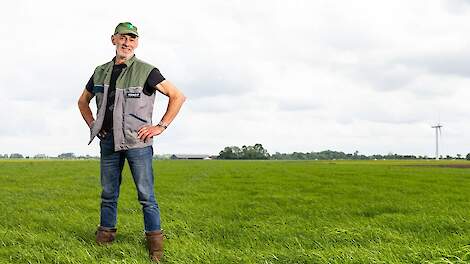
pixel 105 235
pixel 155 245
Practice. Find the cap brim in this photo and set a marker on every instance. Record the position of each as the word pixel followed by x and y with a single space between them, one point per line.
pixel 128 32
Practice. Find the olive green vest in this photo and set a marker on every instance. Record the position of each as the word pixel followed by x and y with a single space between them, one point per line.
pixel 132 108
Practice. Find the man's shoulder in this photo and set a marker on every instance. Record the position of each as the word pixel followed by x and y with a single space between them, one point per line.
pixel 144 63
pixel 100 71
pixel 104 66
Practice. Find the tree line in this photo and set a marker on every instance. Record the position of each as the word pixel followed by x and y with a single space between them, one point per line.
pixel 258 152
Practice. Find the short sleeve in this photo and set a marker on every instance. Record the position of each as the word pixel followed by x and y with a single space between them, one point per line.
pixel 89 85
pixel 155 77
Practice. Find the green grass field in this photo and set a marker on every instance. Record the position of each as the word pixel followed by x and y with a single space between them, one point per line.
pixel 243 212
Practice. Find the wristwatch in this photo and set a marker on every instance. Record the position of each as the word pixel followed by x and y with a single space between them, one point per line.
pixel 162 124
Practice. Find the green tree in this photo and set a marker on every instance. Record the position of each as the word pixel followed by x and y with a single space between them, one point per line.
pixel 245 152
pixel 232 152
pixel 16 156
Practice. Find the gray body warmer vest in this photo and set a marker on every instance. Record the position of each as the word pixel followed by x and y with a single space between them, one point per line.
pixel 132 108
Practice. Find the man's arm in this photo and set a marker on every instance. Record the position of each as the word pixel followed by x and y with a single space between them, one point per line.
pixel 84 106
pixel 176 100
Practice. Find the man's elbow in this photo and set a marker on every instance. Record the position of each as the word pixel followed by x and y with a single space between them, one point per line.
pixel 177 97
pixel 82 103
pixel 180 97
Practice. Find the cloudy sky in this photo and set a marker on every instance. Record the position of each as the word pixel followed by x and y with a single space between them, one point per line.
pixel 369 75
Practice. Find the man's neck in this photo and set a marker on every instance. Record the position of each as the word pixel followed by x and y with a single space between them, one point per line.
pixel 121 60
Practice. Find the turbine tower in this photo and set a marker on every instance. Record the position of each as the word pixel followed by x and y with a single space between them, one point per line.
pixel 438 132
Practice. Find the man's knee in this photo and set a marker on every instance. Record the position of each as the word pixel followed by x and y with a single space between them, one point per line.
pixel 109 194
pixel 147 199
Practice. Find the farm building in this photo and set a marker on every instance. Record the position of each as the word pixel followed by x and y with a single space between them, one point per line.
pixel 190 156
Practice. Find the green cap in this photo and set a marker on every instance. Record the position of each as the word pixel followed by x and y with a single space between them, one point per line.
pixel 126 28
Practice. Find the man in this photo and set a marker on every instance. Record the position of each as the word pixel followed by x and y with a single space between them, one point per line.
pixel 125 93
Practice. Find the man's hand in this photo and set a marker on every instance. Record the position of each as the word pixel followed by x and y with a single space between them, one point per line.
pixel 90 125
pixel 147 132
pixel 102 134
pixel 84 106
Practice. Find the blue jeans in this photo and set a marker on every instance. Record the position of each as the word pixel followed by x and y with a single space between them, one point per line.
pixel 140 163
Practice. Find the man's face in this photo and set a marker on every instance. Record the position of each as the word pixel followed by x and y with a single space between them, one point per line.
pixel 125 45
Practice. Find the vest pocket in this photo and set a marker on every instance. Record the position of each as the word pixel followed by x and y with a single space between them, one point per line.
pixel 138 118
pixel 137 110
pixel 135 122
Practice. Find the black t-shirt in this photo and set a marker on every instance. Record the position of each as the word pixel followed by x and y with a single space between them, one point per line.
pixel 154 78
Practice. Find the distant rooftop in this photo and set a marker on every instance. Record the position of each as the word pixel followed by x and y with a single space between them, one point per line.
pixel 190 156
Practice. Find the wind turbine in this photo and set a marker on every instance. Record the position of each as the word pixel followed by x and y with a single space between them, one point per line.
pixel 438 132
